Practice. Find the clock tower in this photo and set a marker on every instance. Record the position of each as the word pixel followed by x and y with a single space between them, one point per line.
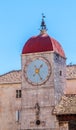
pixel 43 81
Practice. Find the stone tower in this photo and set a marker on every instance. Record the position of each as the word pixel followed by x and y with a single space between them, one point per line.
pixel 43 81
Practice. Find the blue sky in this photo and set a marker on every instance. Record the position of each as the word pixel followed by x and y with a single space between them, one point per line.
pixel 21 19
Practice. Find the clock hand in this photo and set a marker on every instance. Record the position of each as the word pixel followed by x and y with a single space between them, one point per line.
pixel 35 66
pixel 37 70
pixel 34 74
pixel 40 76
pixel 40 66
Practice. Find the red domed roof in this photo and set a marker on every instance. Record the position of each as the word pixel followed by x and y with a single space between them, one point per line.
pixel 42 43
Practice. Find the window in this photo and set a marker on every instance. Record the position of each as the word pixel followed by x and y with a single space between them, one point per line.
pixel 17 115
pixel 18 93
pixel 60 73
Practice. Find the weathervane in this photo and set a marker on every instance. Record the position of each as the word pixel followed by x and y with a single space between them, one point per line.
pixel 43 25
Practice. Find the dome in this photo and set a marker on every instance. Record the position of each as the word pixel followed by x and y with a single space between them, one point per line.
pixel 42 43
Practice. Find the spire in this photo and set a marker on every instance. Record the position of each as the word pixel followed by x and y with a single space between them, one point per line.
pixel 43 28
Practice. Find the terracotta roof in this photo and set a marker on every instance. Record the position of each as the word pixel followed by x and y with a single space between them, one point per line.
pixel 67 105
pixel 71 72
pixel 11 77
pixel 41 43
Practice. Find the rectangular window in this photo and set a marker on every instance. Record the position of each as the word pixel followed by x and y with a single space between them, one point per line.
pixel 17 115
pixel 18 93
pixel 60 73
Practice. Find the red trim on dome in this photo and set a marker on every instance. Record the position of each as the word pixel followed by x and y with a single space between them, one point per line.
pixel 42 43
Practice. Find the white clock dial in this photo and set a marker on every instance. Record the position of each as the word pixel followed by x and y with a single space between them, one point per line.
pixel 37 71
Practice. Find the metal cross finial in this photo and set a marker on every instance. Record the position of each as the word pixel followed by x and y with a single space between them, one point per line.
pixel 43 25
pixel 43 16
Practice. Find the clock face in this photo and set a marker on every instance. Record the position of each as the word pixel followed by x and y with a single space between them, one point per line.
pixel 37 71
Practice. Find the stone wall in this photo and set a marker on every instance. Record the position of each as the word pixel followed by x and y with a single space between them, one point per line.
pixel 45 94
pixel 59 77
pixel 8 106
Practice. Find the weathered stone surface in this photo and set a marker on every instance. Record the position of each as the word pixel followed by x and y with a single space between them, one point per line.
pixel 47 95
pixel 8 106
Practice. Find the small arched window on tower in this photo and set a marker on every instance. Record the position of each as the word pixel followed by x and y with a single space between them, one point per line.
pixel 60 73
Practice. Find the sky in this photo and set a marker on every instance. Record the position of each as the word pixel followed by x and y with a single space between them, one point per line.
pixel 21 19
